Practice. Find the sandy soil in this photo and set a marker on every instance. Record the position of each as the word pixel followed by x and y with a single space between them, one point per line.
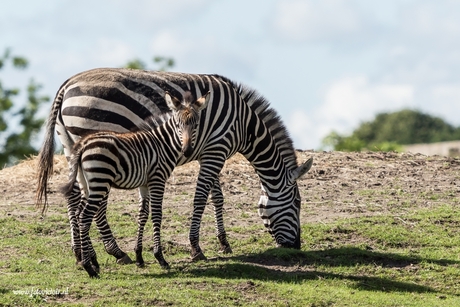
pixel 338 185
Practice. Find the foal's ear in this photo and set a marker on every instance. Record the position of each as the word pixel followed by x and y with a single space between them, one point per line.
pixel 300 171
pixel 202 102
pixel 172 102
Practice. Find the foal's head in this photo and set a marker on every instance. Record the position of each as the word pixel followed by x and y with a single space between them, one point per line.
pixel 187 116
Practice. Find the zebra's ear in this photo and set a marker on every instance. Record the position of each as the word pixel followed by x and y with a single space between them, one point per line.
pixel 172 102
pixel 202 102
pixel 300 171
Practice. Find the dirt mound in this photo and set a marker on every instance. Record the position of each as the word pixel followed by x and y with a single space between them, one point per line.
pixel 338 185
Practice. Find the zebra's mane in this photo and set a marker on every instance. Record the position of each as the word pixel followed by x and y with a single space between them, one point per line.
pixel 272 121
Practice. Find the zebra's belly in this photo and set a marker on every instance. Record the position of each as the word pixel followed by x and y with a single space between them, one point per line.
pixel 132 183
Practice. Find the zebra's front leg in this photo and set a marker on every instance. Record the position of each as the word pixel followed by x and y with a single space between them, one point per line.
pixel 110 244
pixel 198 209
pixel 156 210
pixel 217 200
pixel 143 215
pixel 206 179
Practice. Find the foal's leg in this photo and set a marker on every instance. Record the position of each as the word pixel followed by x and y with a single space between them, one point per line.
pixel 156 192
pixel 73 204
pixel 142 217
pixel 110 244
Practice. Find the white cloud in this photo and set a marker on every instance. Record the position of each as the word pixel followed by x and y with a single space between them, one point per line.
pixel 346 103
pixel 432 19
pixel 208 55
pixel 300 125
pixel 350 99
pixel 299 20
pixel 444 101
pixel 112 52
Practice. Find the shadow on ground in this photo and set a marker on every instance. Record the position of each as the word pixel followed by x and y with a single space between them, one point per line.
pixel 292 266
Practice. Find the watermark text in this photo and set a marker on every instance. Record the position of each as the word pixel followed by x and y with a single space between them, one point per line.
pixel 42 292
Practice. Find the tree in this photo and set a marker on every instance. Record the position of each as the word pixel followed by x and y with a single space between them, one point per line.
pixel 388 131
pixel 16 144
pixel 163 63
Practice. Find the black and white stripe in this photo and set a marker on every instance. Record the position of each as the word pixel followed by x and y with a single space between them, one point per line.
pixel 142 159
pixel 237 119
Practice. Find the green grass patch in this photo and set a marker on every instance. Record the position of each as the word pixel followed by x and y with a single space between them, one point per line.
pixel 391 260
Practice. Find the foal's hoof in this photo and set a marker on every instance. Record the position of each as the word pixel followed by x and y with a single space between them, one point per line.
pixel 124 260
pixel 198 257
pixel 225 250
pixel 91 270
pixel 80 266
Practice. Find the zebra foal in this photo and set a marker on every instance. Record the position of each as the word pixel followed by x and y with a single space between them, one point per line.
pixel 142 159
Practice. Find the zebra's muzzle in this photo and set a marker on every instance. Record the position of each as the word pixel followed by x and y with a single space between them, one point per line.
pixel 187 151
pixel 295 245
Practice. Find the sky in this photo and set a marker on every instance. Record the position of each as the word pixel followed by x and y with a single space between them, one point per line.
pixel 324 65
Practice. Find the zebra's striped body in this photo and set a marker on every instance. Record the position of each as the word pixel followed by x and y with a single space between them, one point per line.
pixel 142 159
pixel 237 119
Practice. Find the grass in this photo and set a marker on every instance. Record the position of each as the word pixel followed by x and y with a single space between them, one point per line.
pixel 388 260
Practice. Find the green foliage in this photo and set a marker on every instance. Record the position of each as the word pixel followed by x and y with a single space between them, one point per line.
pixel 135 64
pixel 390 130
pixel 163 63
pixel 342 143
pixel 15 145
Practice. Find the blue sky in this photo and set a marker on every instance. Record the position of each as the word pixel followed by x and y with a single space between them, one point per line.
pixel 324 65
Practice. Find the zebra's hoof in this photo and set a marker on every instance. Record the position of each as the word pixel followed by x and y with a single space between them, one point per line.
pixel 198 257
pixel 124 260
pixel 225 250
pixel 96 269
pixel 165 265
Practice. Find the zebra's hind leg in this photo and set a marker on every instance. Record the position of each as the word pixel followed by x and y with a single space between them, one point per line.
pixel 88 255
pixel 110 244
pixel 142 218
pixel 217 200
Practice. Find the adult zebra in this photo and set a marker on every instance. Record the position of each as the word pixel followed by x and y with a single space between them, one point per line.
pixel 237 119
pixel 144 159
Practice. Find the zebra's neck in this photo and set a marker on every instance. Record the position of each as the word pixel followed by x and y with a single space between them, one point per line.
pixel 264 155
pixel 269 147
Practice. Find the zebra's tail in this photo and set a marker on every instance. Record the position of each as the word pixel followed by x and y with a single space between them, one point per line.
pixel 45 157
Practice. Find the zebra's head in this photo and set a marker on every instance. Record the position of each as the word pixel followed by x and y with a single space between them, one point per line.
pixel 281 211
pixel 187 114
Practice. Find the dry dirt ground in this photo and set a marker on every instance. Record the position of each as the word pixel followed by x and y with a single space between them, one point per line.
pixel 339 185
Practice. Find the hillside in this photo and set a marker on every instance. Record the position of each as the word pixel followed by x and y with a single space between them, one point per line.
pixel 338 185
